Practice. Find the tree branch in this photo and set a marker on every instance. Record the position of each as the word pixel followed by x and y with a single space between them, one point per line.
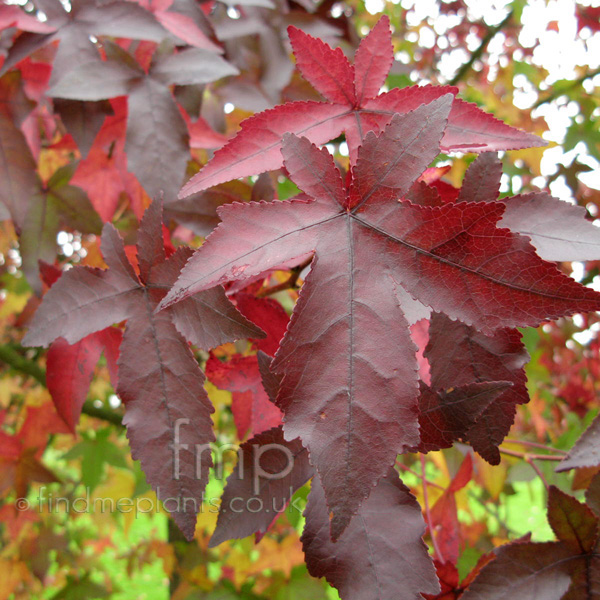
pixel 20 363
pixel 492 31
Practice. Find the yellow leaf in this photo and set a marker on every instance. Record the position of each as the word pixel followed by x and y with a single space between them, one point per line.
pixel 12 574
pixel 279 556
pixel 491 477
pixel 113 496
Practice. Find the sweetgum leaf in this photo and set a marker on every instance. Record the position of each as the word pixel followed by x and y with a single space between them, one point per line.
pixel 447 415
pixel 269 471
pixel 568 569
pixel 482 179
pixel 73 30
pixel 267 314
pixel 326 69
pixel 160 381
pixel 251 407
pixel 354 108
pixel 381 554
pixel 460 355
pixel 572 522
pixel 17 169
pixel 373 257
pixel 157 140
pixel 558 230
pixel 70 368
pixel 586 451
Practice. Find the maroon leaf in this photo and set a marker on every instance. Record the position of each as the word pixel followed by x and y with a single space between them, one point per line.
pixel 568 569
pixel 158 374
pixel 269 471
pixel 157 141
pixel 354 108
pixel 271 381
pixel 586 451
pixel 380 553
pixel 17 170
pixel 74 28
pixel 526 571
pixel 332 401
pixel 82 120
pixel 572 522
pixel 446 416
pixel 460 355
pixel 482 179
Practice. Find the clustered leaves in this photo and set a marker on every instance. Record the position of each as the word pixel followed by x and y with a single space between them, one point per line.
pixel 340 387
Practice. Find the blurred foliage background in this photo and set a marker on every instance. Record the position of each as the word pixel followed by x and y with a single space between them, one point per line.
pixel 533 64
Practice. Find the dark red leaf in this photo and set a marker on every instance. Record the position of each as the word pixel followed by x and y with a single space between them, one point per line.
pixel 460 355
pixel 568 569
pixel 331 401
pixel 381 553
pixel 269 471
pixel 482 179
pixel 572 522
pixel 158 374
pixel 447 415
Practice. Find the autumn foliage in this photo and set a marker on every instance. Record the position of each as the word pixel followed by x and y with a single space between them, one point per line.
pixel 404 339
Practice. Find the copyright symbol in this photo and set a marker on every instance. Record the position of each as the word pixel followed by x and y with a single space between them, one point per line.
pixel 22 504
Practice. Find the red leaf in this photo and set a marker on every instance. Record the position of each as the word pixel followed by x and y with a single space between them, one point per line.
pixel 436 255
pixel 251 407
pixel 269 471
pixel 69 372
pixel 444 516
pixel 255 149
pixel 267 314
pixel 373 60
pixel 326 69
pixel 380 553
pixel 158 374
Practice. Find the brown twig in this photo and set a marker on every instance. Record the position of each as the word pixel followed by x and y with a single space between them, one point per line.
pixel 533 445
pixel 289 284
pixel 492 31
pixel 526 455
pixel 538 471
